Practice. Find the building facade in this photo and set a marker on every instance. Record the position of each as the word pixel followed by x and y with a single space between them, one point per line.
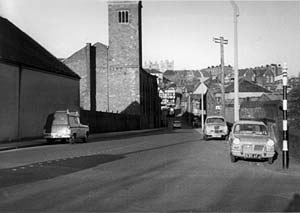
pixel 113 79
pixel 33 84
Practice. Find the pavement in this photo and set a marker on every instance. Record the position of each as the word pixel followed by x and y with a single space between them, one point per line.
pixel 41 141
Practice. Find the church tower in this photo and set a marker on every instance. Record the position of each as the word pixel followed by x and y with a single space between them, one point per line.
pixel 124 56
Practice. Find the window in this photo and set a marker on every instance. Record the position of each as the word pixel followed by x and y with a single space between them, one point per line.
pixel 123 16
pixel 73 121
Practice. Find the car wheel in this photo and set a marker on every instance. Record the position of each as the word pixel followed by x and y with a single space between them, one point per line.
pixel 233 158
pixel 50 140
pixel 85 138
pixel 72 139
pixel 270 160
pixel 205 137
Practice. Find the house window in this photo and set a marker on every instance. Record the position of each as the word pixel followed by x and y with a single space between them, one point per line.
pixel 123 16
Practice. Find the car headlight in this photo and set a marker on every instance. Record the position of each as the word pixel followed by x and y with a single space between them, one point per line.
pixel 270 142
pixel 236 141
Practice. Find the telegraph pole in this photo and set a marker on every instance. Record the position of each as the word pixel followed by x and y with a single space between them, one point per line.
pixel 285 152
pixel 222 41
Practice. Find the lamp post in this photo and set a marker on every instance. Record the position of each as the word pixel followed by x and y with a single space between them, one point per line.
pixel 236 72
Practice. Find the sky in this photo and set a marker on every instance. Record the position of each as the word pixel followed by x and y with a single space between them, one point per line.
pixel 183 31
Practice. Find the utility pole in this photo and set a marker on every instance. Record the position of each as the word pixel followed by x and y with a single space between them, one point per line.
pixel 222 41
pixel 236 71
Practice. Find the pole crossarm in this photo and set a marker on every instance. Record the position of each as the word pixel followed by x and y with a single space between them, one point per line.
pixel 220 41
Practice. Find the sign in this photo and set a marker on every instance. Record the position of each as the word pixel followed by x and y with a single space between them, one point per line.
pixel 201 89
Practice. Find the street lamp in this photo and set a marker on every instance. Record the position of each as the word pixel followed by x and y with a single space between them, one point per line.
pixel 236 72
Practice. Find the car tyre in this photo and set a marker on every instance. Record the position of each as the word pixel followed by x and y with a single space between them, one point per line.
pixel 233 158
pixel 85 138
pixel 72 139
pixel 270 160
pixel 205 137
pixel 50 140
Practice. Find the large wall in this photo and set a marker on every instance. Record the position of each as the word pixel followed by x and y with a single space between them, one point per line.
pixel 124 57
pixel 9 87
pixel 80 63
pixel 42 94
pixel 150 101
pixel 29 96
pixel 102 82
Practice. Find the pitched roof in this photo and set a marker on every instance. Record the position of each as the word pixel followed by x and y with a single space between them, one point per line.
pixel 246 86
pixel 18 47
pixel 152 71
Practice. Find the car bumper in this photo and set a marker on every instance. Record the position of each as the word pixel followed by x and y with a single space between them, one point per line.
pixel 56 136
pixel 216 135
pixel 253 154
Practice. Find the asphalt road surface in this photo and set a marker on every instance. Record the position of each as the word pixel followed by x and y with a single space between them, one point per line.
pixel 164 171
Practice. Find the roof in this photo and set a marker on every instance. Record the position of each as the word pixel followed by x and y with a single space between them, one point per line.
pixel 246 86
pixel 18 47
pixel 249 122
pixel 169 72
pixel 152 71
pixel 273 97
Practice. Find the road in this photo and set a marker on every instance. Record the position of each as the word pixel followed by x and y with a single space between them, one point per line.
pixel 164 171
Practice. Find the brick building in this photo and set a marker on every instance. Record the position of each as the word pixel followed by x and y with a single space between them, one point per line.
pixel 112 77
pixel 33 84
pixel 91 64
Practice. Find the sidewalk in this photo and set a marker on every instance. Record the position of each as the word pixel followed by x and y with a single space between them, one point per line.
pixel 38 142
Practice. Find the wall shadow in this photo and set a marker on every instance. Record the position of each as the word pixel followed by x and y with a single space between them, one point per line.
pixel 294 205
pixel 51 169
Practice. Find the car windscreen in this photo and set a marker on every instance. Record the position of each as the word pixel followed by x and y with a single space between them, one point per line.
pixel 250 129
pixel 214 120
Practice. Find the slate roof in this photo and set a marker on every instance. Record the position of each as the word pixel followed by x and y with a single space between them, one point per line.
pixel 17 47
pixel 246 86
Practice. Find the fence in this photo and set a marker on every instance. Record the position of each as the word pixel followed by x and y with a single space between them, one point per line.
pixel 109 122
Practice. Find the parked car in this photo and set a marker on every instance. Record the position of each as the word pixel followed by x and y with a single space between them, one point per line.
pixel 176 124
pixel 65 125
pixel 251 140
pixel 215 127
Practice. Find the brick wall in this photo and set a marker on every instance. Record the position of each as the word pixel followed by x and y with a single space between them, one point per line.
pixel 150 101
pixel 102 83
pixel 79 62
pixel 124 58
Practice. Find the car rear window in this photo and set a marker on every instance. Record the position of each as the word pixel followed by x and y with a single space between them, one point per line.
pixel 250 129
pixel 214 120
pixel 60 119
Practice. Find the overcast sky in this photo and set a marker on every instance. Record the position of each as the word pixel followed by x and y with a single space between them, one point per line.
pixel 183 31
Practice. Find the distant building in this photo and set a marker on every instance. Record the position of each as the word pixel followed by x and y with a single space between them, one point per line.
pixel 248 91
pixel 33 84
pixel 268 76
pixel 162 66
pixel 215 72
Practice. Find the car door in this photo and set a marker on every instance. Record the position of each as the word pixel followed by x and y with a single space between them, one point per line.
pixel 73 125
pixel 80 129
